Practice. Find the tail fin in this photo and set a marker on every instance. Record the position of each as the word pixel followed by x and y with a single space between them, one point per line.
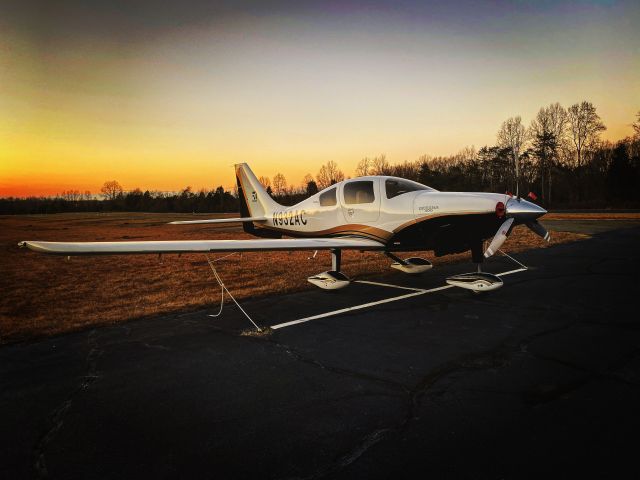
pixel 254 199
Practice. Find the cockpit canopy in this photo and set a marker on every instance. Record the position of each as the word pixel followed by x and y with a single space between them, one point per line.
pixel 395 186
pixel 361 190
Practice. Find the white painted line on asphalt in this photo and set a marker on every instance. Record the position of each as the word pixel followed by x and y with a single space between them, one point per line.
pixel 511 271
pixel 368 282
pixel 379 302
pixel 348 309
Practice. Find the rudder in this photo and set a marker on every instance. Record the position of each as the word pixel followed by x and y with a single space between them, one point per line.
pixel 253 196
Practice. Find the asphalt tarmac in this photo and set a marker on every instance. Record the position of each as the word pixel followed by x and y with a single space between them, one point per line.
pixel 540 379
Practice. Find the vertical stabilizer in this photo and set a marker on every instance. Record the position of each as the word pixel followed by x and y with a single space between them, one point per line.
pixel 254 199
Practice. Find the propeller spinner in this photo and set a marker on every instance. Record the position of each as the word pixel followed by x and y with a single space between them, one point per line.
pixel 517 211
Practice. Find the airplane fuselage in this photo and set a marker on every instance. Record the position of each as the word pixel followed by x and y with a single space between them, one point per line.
pixel 402 214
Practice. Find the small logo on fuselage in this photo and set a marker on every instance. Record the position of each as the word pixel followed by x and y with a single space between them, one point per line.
pixel 428 208
pixel 254 196
pixel 293 217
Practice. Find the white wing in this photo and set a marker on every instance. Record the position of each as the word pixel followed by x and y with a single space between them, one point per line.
pixel 192 246
pixel 219 220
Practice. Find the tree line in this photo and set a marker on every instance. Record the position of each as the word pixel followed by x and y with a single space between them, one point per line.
pixel 114 198
pixel 560 157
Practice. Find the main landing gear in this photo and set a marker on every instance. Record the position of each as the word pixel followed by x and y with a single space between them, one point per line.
pixel 478 281
pixel 411 265
pixel 332 279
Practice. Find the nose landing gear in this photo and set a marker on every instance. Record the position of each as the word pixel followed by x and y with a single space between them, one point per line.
pixel 478 281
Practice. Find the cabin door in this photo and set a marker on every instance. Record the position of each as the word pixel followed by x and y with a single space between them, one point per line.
pixel 360 200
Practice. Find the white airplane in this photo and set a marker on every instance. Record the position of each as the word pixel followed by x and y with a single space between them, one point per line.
pixel 373 213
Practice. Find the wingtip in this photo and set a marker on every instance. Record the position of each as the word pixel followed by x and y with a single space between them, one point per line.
pixel 30 244
pixel 184 222
pixel 37 246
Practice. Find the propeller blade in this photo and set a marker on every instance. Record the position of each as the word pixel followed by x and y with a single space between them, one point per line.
pixel 499 238
pixel 538 229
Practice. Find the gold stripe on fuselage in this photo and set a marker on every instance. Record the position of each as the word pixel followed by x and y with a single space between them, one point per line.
pixel 367 231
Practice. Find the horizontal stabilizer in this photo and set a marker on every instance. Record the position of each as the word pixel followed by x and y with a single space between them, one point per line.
pixel 201 246
pixel 219 220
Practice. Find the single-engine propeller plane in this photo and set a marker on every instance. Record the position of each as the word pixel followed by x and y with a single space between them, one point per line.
pixel 373 213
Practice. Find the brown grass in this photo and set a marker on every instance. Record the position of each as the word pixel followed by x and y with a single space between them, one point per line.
pixel 593 216
pixel 44 294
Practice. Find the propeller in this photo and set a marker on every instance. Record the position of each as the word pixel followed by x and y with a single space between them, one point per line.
pixel 538 229
pixel 523 212
pixel 499 238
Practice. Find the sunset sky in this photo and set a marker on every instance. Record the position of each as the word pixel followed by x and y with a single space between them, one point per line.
pixel 161 95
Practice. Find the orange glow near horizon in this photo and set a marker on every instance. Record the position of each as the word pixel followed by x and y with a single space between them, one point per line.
pixel 177 107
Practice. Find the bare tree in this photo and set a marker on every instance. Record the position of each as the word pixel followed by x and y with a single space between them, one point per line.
pixel 328 175
pixel 513 135
pixel 406 169
pixel 323 179
pixel 265 182
pixel 634 145
pixel 548 132
pixel 364 167
pixel 380 166
pixel 71 195
pixel 468 154
pixel 585 127
pixel 111 190
pixel 552 119
pixel 558 121
pixel 307 178
pixel 309 186
pixel 279 184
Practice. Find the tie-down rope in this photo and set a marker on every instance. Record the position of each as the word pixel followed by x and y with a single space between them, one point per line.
pixel 223 289
pixel 509 256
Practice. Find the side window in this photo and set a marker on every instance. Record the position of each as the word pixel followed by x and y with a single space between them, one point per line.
pixel 358 192
pixel 328 198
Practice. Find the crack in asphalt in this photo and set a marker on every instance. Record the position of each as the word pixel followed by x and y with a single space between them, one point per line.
pixel 56 419
pixel 154 345
pixel 337 370
pixel 605 372
pixel 486 359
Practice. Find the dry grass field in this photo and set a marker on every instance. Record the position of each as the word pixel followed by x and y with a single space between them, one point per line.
pixel 43 295
pixel 593 216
